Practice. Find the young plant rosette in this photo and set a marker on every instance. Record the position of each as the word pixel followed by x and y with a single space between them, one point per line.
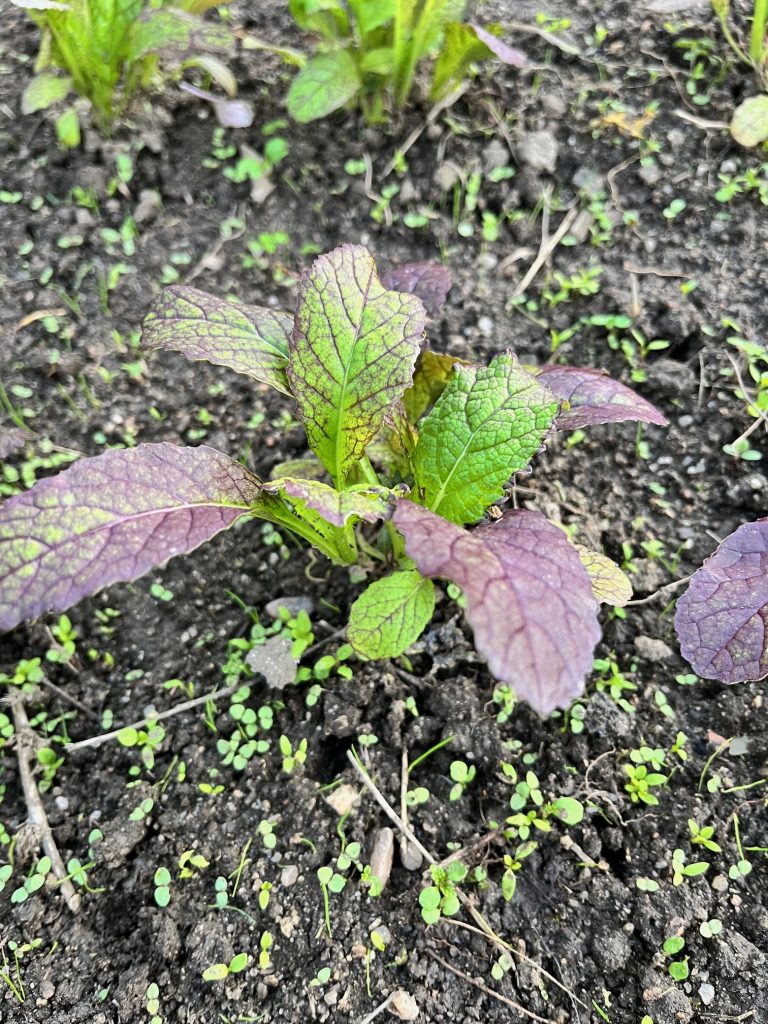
pixel 414 452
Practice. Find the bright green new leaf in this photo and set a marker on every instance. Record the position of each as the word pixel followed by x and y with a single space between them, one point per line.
pixel 391 614
pixel 430 379
pixel 460 48
pixel 488 424
pixel 68 128
pixel 327 83
pixel 44 90
pixel 216 972
pixel 351 356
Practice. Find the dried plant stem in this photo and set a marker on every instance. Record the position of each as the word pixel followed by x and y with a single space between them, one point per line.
pixel 488 991
pixel 36 815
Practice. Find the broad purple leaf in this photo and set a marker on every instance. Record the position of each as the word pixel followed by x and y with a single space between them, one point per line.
pixel 430 281
pixel 507 54
pixel 722 618
pixel 595 398
pixel 247 339
pixel 11 440
pixel 352 353
pixel 528 597
pixel 111 518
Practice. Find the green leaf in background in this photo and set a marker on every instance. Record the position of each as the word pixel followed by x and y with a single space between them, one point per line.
pixel 166 30
pixel 372 15
pixel 351 356
pixel 749 125
pixel 327 83
pixel 460 48
pixel 326 17
pixel 391 614
pixel 44 90
pixel 430 379
pixel 487 424
pixel 247 339
pixel 68 128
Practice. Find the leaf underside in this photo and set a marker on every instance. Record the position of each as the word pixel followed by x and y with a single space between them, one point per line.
pixel 391 614
pixel 430 280
pixel 528 597
pixel 722 618
pixel 594 398
pixel 247 339
pixel 351 355
pixel 111 518
pixel 487 424
pixel 337 507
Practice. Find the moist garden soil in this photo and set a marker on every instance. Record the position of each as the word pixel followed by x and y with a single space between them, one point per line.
pixel 611 131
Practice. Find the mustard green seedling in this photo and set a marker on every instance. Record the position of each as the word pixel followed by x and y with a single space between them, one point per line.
pixel 414 452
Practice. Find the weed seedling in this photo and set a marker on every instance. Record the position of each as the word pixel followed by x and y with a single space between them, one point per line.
pixel 682 870
pixel 220 972
pixel 462 775
pixel 440 899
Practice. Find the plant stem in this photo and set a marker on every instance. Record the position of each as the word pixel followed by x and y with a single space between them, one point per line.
pixel 758 48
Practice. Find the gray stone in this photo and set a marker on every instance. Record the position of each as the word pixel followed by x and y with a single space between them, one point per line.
pixel 653 650
pixel 539 151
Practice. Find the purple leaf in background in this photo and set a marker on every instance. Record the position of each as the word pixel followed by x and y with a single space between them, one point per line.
pixel 528 597
pixel 722 618
pixel 507 54
pixel 247 339
pixel 430 281
pixel 230 113
pixel 111 518
pixel 595 398
pixel 11 440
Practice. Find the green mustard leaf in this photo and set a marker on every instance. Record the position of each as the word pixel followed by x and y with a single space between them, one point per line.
pixel 487 424
pixel 351 356
pixel 327 83
pixel 247 339
pixel 430 379
pixel 44 90
pixel 610 584
pixel 337 507
pixel 391 614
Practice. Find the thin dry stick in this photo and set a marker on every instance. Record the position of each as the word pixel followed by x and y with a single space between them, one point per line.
pixel 667 588
pixel 37 817
pixel 45 681
pixel 431 117
pixel 465 901
pixel 656 271
pixel 488 991
pixel 547 247
pixel 404 770
pixel 379 1009
pixel 96 741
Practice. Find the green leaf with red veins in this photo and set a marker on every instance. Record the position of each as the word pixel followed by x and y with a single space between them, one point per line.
pixel 351 356
pixel 111 518
pixel 391 614
pixel 487 424
pixel 722 618
pixel 337 507
pixel 247 339
pixel 528 597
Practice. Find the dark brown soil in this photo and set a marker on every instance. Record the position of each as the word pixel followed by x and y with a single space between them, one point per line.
pixel 591 933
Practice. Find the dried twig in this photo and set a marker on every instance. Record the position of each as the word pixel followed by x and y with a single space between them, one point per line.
pixel 547 247
pixel 431 117
pixel 36 815
pixel 667 588
pixel 488 991
pixel 96 741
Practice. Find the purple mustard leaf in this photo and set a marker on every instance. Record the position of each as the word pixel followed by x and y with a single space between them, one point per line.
pixel 528 597
pixel 111 518
pixel 506 54
pixel 247 339
pixel 722 618
pixel 352 353
pixel 595 398
pixel 430 281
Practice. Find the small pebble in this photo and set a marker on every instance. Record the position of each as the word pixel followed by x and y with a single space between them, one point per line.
pixel 294 605
pixel 707 994
pixel 342 799
pixel 404 1006
pixel 289 875
pixel 382 855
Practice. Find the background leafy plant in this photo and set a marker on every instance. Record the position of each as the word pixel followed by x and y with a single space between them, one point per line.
pixel 448 434
pixel 371 49
pixel 108 50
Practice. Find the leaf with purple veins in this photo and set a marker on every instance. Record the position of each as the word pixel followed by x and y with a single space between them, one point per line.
pixel 528 597
pixel 111 518
pixel 430 281
pixel 337 507
pixel 351 355
pixel 722 618
pixel 247 339
pixel 595 398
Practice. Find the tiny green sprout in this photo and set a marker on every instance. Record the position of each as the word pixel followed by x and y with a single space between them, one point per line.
pixel 162 887
pixel 367 739
pixel 660 699
pixel 647 884
pixel 640 783
pixel 410 706
pixel 501 967
pixel 709 929
pixel 265 944
pixel 440 899
pixel 330 881
pixel 222 896
pixel 190 863
pixel 682 870
pixel 417 795
pixel 35 880
pixel 506 698
pixel 673 944
pixel 461 774
pixel 322 977
pixel 702 836
pixel 674 209
pixel 291 757
pixel 513 864
pixel 678 969
pixel 143 810
pixel 265 890
pixel 219 972
pixel 153 1003
pixel 266 830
